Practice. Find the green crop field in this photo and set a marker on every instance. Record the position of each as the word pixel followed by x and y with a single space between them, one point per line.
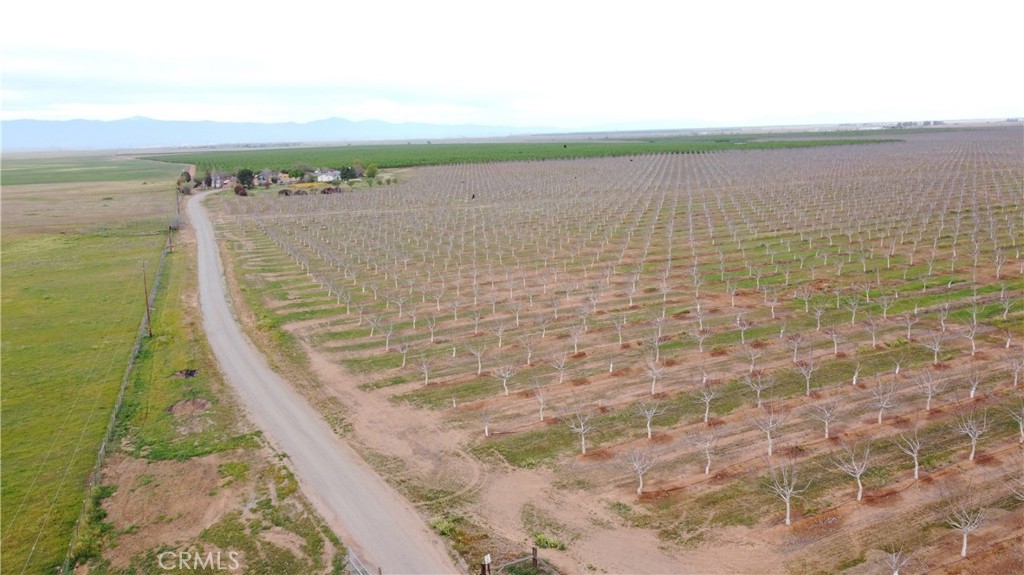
pixel 405 155
pixel 34 169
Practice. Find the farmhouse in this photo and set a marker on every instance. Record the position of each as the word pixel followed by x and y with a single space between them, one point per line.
pixel 328 176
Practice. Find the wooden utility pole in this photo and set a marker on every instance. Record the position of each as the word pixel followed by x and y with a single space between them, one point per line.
pixel 145 295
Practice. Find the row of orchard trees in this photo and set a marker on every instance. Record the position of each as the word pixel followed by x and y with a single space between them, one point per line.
pixel 762 289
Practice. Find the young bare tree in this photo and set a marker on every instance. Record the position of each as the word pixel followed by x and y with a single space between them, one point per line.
pixel 576 331
pixel 516 307
pixel 835 336
pixel 1017 414
pixel 898 356
pixel 854 464
pixel 485 418
pixel 753 354
pixel 640 462
pixel 873 326
pixel 934 343
pixel 743 324
pixel 758 383
pixel 817 312
pixel 1015 477
pixel 649 411
pixel 896 559
pixel 499 331
pixel 526 341
pixel 1007 303
pixel 559 361
pixel 910 319
pixel 886 303
pixel 911 445
pixel 477 351
pixel 963 515
pixel 783 481
pixel 538 394
pixel 807 368
pixel 943 314
pixel 432 326
pixel 699 336
pixel 930 386
pixel 424 365
pixel 971 333
pixel 654 343
pixel 375 321
pixel 852 304
pixel 856 375
pixel 769 421
pixel 793 342
pixel 699 313
pixel 579 421
pixel 619 323
pixel 706 441
pixel 804 294
pixel 387 329
pixel 731 288
pixel 973 378
pixel 883 397
pixel 826 412
pixel 544 320
pixel 1015 363
pixel 403 348
pixel 974 426
pixel 504 372
pixel 705 394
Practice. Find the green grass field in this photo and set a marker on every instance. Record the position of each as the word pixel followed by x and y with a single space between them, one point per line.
pixel 71 305
pixel 71 308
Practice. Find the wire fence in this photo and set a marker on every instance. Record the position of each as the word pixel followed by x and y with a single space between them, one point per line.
pixel 94 475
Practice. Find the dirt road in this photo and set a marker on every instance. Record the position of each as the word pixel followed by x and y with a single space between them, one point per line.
pixel 370 516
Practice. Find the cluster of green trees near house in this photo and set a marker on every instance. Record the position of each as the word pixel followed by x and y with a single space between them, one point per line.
pixel 247 178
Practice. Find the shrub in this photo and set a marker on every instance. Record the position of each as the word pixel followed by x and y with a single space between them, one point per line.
pixel 545 542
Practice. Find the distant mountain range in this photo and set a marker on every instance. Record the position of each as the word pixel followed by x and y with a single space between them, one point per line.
pixel 149 133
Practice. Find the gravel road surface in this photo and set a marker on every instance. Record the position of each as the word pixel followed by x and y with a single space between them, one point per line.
pixel 371 517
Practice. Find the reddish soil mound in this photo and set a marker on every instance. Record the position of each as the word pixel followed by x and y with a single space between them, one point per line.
pixel 660 438
pixel 599 454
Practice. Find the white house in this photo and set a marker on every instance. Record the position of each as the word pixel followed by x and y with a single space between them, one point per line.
pixel 329 176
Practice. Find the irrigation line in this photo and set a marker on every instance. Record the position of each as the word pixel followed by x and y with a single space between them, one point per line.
pixel 94 475
pixel 355 565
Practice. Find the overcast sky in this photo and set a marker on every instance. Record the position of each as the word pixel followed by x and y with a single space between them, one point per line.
pixel 552 63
